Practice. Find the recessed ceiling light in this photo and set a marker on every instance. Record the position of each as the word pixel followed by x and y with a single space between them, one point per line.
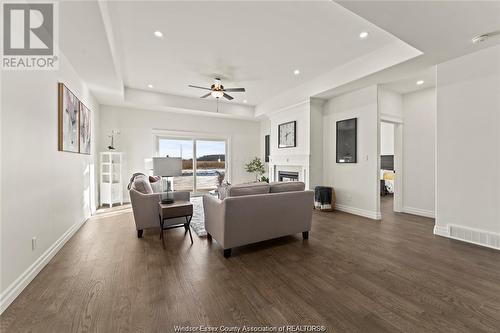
pixel 150 85
pixel 296 72
pixel 245 101
pixel 363 34
pixel 420 82
pixel 158 34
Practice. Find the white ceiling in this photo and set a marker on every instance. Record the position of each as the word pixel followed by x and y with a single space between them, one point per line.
pixel 409 84
pixel 253 44
pixel 442 30
pixel 83 41
pixel 257 45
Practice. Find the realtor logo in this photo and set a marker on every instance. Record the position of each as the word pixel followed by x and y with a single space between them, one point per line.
pixel 29 36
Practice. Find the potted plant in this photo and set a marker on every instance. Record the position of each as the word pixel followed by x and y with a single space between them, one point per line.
pixel 256 167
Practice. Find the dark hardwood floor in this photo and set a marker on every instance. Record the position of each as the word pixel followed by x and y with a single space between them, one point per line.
pixel 352 275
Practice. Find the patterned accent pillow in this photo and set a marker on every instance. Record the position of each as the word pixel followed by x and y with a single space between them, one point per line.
pixel 222 191
pixel 142 185
pixel 154 179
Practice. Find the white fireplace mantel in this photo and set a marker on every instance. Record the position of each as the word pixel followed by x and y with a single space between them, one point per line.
pixel 294 163
pixel 293 159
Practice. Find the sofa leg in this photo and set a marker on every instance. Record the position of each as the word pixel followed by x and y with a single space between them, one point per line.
pixel 305 235
pixel 209 237
pixel 139 233
pixel 227 253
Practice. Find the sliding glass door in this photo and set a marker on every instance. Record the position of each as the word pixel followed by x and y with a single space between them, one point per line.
pixel 210 164
pixel 203 162
pixel 180 148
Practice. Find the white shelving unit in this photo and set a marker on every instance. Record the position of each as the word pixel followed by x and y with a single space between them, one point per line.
pixel 111 184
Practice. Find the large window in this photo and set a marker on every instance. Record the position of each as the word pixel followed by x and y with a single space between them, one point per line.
pixel 180 148
pixel 210 163
pixel 203 161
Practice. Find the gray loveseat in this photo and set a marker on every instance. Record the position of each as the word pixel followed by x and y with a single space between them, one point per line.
pixel 251 213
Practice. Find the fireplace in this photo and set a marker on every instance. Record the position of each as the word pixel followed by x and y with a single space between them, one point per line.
pixel 288 176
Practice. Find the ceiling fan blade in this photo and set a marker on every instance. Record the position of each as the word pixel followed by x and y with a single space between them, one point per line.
pixel 235 89
pixel 227 96
pixel 198 87
pixel 205 96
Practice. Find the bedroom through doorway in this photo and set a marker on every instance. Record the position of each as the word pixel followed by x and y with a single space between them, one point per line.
pixel 390 175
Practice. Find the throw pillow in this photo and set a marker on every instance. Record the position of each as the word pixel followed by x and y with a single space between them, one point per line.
pixel 278 187
pixel 142 185
pixel 222 191
pixel 156 186
pixel 154 179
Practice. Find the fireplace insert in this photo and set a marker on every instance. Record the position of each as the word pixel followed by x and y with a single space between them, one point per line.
pixel 288 176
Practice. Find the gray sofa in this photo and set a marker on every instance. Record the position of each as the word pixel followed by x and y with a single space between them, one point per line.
pixel 251 213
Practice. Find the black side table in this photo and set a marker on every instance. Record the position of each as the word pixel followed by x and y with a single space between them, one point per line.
pixel 174 210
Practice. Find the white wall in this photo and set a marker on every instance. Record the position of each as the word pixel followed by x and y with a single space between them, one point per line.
pixel 45 193
pixel 136 137
pixel 386 138
pixel 356 185
pixel 316 142
pixel 299 113
pixel 419 110
pixel 468 142
pixel 390 105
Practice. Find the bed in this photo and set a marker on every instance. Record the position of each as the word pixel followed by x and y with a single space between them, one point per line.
pixel 387 174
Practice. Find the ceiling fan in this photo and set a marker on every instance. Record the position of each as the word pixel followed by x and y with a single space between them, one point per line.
pixel 217 90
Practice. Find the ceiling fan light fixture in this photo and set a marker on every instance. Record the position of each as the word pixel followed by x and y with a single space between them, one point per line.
pixel 217 93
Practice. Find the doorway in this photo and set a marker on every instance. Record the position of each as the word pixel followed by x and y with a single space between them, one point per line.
pixel 391 166
pixel 204 162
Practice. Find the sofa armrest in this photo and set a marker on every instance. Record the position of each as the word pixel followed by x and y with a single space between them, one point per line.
pixel 214 210
pixel 145 208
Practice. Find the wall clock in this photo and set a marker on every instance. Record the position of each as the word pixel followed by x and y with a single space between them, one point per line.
pixel 287 135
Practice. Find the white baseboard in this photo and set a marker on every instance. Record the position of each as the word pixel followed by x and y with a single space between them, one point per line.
pixel 469 235
pixel 441 231
pixel 358 211
pixel 418 211
pixel 16 287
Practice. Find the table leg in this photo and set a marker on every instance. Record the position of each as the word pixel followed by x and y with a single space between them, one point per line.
pixel 161 233
pixel 188 219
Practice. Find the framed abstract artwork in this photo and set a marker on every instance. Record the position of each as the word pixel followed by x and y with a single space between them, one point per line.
pixel 84 130
pixel 286 135
pixel 68 111
pixel 347 131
